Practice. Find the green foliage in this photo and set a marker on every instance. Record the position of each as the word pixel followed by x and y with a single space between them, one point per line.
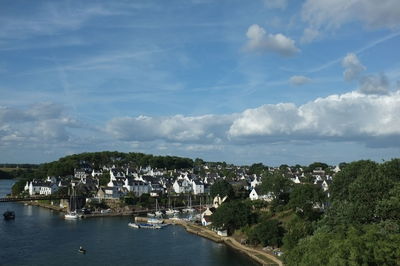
pixel 315 165
pixel 233 215
pixel 304 197
pixel 104 179
pixel 267 233
pixel 222 188
pixel 296 229
pixel 389 207
pixel 257 168
pixel 278 184
pixel 366 245
pixel 18 187
pixel 362 225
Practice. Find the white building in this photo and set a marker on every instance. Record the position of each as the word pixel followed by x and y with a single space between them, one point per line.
pixel 197 187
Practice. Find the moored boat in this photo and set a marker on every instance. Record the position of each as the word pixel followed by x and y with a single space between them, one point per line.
pixel 134 225
pixel 9 215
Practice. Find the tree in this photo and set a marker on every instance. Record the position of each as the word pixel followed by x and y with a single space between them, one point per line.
pixel 104 179
pixel 232 215
pixel 268 232
pixel 304 198
pixel 296 229
pixel 222 188
pixel 277 184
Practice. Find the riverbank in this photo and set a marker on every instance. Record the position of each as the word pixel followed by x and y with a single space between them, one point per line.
pixel 257 255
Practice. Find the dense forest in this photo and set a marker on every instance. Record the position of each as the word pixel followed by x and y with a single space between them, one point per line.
pixel 358 224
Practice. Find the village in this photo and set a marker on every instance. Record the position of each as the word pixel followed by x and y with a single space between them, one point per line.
pixel 125 181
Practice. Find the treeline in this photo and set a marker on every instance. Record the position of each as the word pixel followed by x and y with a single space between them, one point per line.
pixel 66 165
pixel 358 224
pixel 96 160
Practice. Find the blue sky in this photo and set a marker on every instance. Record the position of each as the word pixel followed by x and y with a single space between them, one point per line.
pixel 272 81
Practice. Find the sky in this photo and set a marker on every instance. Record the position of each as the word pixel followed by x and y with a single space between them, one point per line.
pixel 271 81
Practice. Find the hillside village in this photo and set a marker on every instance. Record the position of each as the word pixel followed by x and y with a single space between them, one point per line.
pixel 156 182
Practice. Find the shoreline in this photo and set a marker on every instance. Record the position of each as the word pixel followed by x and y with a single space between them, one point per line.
pixel 261 257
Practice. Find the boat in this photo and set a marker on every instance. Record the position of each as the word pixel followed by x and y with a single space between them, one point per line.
pixel 189 206
pixel 170 211
pixel 9 215
pixel 150 226
pixel 82 250
pixel 155 221
pixel 134 225
pixel 145 226
pixel 72 214
pixel 157 213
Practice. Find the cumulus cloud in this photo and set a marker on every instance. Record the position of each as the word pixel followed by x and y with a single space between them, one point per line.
pixel 374 84
pixel 299 80
pixel 354 116
pixel 350 116
pixel 279 4
pixel 207 128
pixel 332 14
pixel 352 66
pixel 260 41
pixel 42 122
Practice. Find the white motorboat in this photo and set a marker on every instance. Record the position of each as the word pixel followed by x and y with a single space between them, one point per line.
pixel 134 225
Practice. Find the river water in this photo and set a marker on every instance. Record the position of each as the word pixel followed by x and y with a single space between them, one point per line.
pixel 40 236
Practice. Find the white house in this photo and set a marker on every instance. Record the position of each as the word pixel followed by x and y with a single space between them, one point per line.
pixel 295 179
pixel 182 186
pixel 256 181
pixel 206 216
pixel 48 188
pixel 197 187
pixel 255 194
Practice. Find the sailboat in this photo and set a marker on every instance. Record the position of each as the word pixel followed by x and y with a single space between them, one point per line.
pixel 72 213
pixel 157 213
pixel 189 206
pixel 169 211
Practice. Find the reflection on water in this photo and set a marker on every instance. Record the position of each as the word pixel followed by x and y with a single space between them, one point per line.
pixel 42 237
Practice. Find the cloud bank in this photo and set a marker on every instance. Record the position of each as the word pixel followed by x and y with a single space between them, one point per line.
pixel 352 116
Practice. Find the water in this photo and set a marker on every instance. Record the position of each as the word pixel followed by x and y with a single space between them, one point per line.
pixel 42 237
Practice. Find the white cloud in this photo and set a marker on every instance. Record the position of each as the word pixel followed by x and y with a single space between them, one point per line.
pixel 352 66
pixel 207 128
pixel 260 41
pixel 374 84
pixel 351 116
pixel 309 35
pixel 280 4
pixel 39 123
pixel 299 80
pixel 332 14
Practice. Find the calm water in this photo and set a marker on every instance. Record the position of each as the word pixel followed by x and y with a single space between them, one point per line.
pixel 42 237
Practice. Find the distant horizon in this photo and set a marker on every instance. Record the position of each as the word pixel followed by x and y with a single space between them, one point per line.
pixel 236 164
pixel 272 81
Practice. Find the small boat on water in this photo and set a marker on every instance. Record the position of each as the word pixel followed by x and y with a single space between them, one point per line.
pixel 9 215
pixel 72 215
pixel 145 226
pixel 82 250
pixel 134 225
